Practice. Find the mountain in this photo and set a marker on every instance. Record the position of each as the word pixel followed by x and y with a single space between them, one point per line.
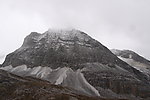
pixel 74 59
pixel 61 48
pixel 134 60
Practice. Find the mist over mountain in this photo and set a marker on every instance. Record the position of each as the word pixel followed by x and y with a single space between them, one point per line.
pixel 73 59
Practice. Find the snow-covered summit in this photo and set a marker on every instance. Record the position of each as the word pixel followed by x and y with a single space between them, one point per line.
pixel 54 38
pixel 67 34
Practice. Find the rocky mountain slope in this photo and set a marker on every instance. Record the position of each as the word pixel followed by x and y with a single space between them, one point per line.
pixel 90 64
pixel 135 60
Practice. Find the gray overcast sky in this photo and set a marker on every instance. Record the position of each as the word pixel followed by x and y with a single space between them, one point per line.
pixel 120 24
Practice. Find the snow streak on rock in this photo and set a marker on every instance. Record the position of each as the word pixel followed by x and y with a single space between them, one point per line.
pixel 144 68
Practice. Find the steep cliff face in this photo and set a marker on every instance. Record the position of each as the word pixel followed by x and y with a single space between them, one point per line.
pixel 75 49
pixel 116 79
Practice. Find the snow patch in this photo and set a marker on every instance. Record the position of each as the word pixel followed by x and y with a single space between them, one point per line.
pixel 44 72
pixel 137 65
pixel 87 84
pixel 62 76
pixel 19 68
pixel 130 56
pixel 7 68
pixel 35 70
